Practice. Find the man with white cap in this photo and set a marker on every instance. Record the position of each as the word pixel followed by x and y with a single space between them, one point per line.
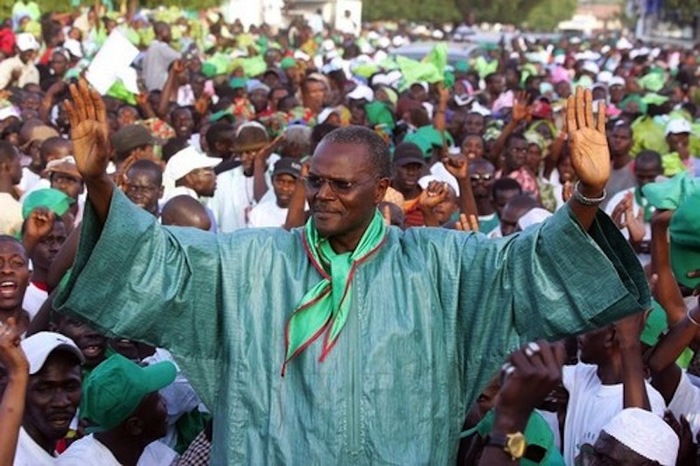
pixel 20 70
pixel 633 437
pixel 193 174
pixel 53 396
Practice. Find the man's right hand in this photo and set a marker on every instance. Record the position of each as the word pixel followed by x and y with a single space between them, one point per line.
pixel 89 131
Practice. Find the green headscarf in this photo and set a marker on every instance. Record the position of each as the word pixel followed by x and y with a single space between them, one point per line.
pixel 325 307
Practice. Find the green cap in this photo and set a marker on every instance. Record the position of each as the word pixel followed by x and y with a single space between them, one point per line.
pixel 116 387
pixel 379 113
pixel 56 201
pixel 634 99
pixel 685 240
pixel 238 83
pixel 537 432
pixel 288 62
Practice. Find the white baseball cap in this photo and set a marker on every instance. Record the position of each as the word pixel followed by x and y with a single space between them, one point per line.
pixel 617 81
pixel 362 92
pixel 325 113
pixel 678 126
pixel 187 160
pixel 591 67
pixel 26 41
pixel 39 346
pixel 74 47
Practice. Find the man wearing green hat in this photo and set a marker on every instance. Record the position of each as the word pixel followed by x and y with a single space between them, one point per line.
pixel 123 408
pixel 308 345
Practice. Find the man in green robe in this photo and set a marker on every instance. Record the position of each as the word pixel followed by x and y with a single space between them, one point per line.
pixel 345 342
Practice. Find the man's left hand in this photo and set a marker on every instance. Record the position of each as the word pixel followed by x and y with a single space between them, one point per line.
pixel 590 156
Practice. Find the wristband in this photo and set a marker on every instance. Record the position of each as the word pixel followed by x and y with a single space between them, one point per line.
pixel 588 201
pixel 690 318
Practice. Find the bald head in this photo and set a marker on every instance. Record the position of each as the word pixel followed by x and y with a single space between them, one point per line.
pixel 185 211
pixel 516 208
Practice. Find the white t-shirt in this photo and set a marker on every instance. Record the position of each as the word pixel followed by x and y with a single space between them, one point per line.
pixel 29 453
pixel 267 214
pixel 34 298
pixel 592 405
pixel 686 402
pixel 88 451
pixel 234 199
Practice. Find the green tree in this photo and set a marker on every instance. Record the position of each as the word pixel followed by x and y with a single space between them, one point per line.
pixel 412 10
pixel 687 8
pixel 498 11
pixel 548 13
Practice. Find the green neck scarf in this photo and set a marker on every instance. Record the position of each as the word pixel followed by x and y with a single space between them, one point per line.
pixel 325 307
pixel 644 203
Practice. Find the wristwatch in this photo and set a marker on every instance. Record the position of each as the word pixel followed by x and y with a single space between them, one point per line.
pixel 514 444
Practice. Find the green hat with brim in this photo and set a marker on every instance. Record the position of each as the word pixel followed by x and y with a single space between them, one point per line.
pixel 116 387
pixel 538 436
pixel 56 201
pixel 685 240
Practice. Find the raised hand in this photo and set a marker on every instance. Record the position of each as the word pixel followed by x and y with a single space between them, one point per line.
pixel 467 223
pixel 11 355
pixel 435 193
pixel 39 223
pixel 178 67
pixel 263 154
pixel 458 166
pixel 201 105
pixel 590 156
pixel 89 130
pixel 443 93
pixel 529 376
pixel 521 110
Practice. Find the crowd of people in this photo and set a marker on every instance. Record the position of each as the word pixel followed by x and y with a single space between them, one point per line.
pixel 294 246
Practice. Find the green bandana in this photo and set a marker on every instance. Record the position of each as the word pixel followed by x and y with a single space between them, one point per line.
pixel 325 307
pixel 644 203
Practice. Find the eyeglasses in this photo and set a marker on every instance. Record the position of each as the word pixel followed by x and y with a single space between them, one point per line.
pixel 315 182
pixel 480 176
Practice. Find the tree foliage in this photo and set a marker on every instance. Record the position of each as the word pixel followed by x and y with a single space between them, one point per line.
pixel 437 11
pixel 547 14
pixel 536 14
pixel 499 11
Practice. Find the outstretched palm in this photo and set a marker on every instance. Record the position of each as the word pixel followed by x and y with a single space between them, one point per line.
pixel 89 130
pixel 590 156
